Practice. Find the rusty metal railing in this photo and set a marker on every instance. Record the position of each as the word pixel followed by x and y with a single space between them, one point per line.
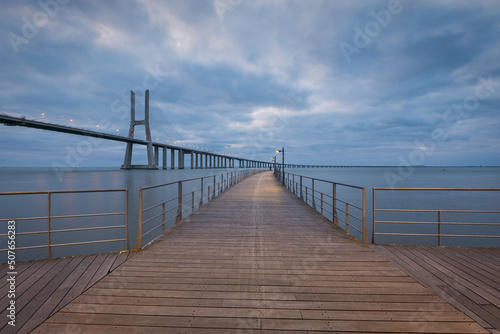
pixel 50 218
pixel 439 219
pixel 353 216
pixel 172 202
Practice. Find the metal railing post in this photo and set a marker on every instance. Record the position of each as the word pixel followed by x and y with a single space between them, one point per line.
pixel 321 203
pixel 347 217
pixel 163 218
pixel 201 193
pixel 301 195
pixel 373 216
pixel 179 202
pixel 365 232
pixel 138 240
pixel 335 216
pixel 49 243
pixel 313 204
pixel 214 188
pixel 126 220
pixel 192 201
pixel 439 228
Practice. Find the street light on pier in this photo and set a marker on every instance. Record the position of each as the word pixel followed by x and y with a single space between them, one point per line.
pixel 282 164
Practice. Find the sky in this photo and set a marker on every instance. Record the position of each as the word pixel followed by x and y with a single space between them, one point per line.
pixel 334 82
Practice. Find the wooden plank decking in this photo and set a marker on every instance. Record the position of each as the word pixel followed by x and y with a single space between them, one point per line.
pixel 467 278
pixel 257 260
pixel 43 287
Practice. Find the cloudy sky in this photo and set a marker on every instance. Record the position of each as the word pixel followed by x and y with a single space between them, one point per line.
pixel 334 82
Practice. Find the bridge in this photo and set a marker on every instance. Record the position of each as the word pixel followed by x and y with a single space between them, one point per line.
pixel 199 158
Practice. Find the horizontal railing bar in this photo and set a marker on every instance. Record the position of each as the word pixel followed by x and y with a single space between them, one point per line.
pixel 331 182
pixel 436 210
pixel 61 192
pixel 89 215
pixel 87 242
pixel 188 180
pixel 442 235
pixel 155 228
pixel 404 222
pixel 441 189
pixel 24 218
pixel 24 233
pixel 354 227
pixel 328 211
pixel 435 222
pixel 157 205
pixel 469 236
pixel 25 247
pixel 408 234
pixel 87 229
pixel 353 216
pixel 474 224
pixel 150 219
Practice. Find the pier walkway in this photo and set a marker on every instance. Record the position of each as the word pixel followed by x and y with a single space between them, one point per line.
pixel 257 260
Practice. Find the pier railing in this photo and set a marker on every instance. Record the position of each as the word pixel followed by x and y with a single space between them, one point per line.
pixel 41 207
pixel 324 197
pixel 162 206
pixel 437 227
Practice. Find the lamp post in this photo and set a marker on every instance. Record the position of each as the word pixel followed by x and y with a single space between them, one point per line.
pixel 282 164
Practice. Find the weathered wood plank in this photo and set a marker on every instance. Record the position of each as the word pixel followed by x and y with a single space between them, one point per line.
pixel 439 269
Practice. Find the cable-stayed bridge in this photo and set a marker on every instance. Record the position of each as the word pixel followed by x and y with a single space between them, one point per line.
pixel 199 158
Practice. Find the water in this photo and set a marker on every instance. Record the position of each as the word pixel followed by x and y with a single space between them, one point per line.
pixel 420 177
pixel 44 179
pixel 37 179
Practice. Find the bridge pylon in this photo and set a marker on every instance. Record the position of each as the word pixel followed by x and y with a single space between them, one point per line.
pixel 127 163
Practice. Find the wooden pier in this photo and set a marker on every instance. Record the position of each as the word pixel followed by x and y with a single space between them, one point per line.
pixel 258 260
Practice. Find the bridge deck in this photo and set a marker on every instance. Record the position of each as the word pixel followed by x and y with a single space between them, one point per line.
pixel 257 260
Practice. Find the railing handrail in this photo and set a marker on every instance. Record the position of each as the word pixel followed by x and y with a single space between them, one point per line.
pixel 439 222
pixel 439 189
pixel 333 205
pixel 61 191
pixel 331 182
pixel 196 178
pixel 49 217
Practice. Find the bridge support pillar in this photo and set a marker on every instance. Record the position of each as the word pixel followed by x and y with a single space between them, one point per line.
pixel 164 164
pixel 181 159
pixel 172 159
pixel 127 163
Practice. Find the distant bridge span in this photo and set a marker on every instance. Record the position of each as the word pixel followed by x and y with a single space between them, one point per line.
pixel 199 159
pixel 211 159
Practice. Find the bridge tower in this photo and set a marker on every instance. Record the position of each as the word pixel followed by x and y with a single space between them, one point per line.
pixel 127 163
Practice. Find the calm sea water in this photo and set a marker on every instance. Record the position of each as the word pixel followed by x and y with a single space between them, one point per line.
pixel 419 177
pixel 39 179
